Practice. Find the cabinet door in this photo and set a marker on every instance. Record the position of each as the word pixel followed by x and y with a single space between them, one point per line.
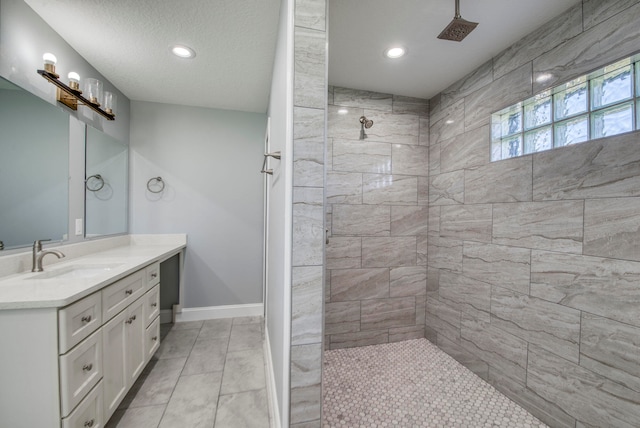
pixel 115 378
pixel 135 340
pixel 152 305
pixel 152 339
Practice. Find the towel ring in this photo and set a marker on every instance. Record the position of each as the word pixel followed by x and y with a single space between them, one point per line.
pixel 98 179
pixel 155 181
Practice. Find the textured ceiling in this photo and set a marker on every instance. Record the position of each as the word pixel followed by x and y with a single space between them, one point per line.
pixel 127 41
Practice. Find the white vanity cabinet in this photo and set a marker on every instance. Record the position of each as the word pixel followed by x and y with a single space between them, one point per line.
pixel 71 367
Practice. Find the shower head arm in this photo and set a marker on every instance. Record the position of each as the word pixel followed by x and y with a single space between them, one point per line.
pixel 457 16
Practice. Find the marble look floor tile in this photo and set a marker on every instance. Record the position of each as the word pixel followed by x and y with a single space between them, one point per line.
pixel 193 403
pixel 155 384
pixel 178 343
pixel 206 356
pixel 243 409
pixel 257 319
pixel 214 329
pixel 139 417
pixel 243 371
pixel 245 336
pixel 187 325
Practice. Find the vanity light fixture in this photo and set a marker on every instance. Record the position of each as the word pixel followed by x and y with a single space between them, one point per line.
pixel 71 95
pixel 395 52
pixel 183 51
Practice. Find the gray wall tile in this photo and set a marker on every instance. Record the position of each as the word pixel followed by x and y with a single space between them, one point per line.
pixel 611 228
pixel 398 334
pixel 498 348
pixel 308 148
pixel 447 189
pixel 345 125
pixel 409 220
pixel 445 253
pixel 362 99
pixel 583 394
pixel 465 294
pixel 542 225
pixel 409 160
pixel 597 46
pixel 393 128
pixel 361 338
pixel 361 220
pixel 387 313
pixel 443 319
pixel 380 189
pixel 513 87
pixel 310 68
pixel 408 281
pixel 311 14
pixel 465 150
pixel 434 159
pixel 342 317
pixel 506 181
pixel 422 246
pixel 600 286
pixel 410 105
pixel 464 357
pixel 423 139
pixel 361 156
pixel 597 11
pixel 507 267
pixel 344 188
pixel 611 349
pixel 603 168
pixel 468 222
pixel 344 253
pixel 447 122
pixel 423 190
pixel 308 226
pixel 357 284
pixel 386 252
pixel 553 327
pixel 306 305
pixel 554 32
pixel 473 81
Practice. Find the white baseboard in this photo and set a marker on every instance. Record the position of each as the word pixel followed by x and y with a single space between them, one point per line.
pixel 272 394
pixel 214 312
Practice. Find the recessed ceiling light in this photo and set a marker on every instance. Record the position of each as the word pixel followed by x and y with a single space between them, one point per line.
pixel 182 51
pixel 395 52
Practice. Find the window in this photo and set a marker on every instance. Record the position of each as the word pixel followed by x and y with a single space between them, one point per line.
pixel 600 104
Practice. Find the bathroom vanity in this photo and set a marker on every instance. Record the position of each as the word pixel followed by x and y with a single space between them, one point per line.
pixel 76 336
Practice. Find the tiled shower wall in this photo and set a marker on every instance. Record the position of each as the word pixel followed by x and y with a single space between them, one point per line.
pixel 534 262
pixel 376 192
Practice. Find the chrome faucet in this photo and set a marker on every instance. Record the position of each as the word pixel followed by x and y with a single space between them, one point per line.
pixel 38 255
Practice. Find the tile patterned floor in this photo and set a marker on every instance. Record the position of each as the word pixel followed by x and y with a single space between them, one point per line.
pixel 205 374
pixel 411 384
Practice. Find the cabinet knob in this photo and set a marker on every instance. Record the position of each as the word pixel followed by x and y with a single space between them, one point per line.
pixel 154 338
pixel 87 367
pixel 129 292
pixel 129 321
pixel 154 304
pixel 154 275
pixel 86 318
pixel 89 423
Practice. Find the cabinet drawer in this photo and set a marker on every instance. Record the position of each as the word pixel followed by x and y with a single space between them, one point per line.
pixel 88 413
pixel 80 370
pixel 120 294
pixel 78 320
pixel 152 305
pixel 153 275
pixel 152 339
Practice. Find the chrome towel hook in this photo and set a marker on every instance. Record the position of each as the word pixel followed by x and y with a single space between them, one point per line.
pixel 155 185
pixel 275 155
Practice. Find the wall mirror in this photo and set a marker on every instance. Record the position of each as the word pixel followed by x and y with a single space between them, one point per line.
pixel 106 184
pixel 34 169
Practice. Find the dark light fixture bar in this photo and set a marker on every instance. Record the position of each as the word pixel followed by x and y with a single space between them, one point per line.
pixel 71 97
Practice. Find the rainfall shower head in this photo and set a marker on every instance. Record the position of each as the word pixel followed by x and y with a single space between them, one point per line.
pixel 458 28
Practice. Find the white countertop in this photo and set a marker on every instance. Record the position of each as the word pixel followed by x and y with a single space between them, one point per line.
pixel 29 290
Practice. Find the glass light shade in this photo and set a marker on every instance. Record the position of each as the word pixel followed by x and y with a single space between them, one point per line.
pixel 93 90
pixel 50 60
pixel 110 101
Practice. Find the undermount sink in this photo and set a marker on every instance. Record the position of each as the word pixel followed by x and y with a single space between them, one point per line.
pixel 77 271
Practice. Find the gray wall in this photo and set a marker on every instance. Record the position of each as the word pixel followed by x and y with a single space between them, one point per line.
pixel 377 211
pixel 533 262
pixel 210 162
pixel 24 38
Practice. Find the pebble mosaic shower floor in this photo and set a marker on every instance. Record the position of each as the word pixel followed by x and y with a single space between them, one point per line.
pixel 411 384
